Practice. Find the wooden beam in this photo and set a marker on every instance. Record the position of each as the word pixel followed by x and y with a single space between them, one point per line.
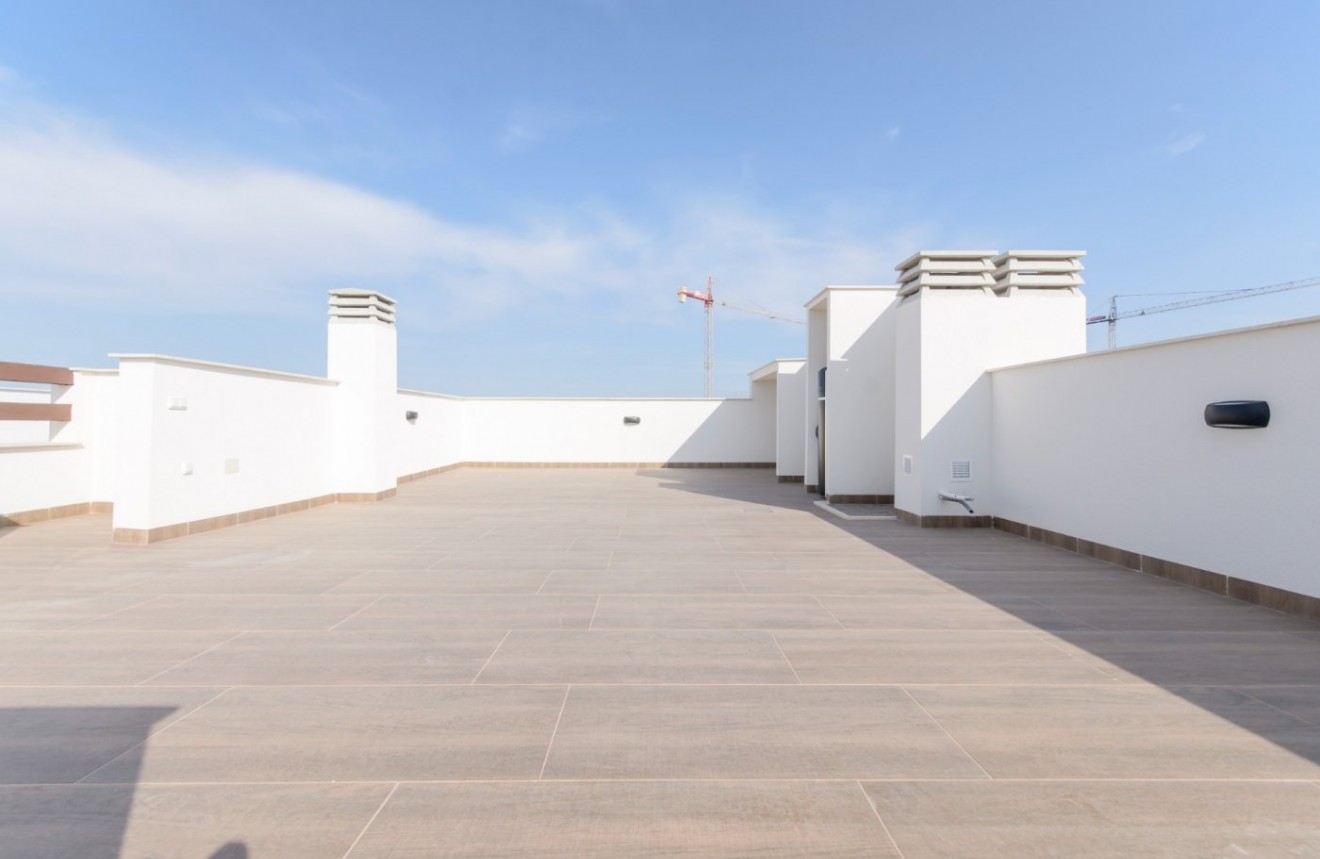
pixel 62 412
pixel 36 373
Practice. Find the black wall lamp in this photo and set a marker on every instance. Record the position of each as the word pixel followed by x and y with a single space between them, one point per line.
pixel 631 420
pixel 1238 414
pixel 410 417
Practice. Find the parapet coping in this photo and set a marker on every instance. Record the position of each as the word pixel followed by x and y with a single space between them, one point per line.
pixel 1156 344
pixel 236 369
pixel 825 291
pixel 40 445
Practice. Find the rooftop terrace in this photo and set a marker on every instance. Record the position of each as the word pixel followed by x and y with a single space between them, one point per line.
pixel 608 662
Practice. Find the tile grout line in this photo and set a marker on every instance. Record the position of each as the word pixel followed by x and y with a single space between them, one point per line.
pixel 892 840
pixel 372 820
pixel 827 611
pixel 1046 637
pixel 356 613
pixel 191 658
pixel 951 737
pixel 780 647
pixel 153 734
pixel 1244 691
pixel 554 733
pixel 82 623
pixel 591 622
pixel 489 658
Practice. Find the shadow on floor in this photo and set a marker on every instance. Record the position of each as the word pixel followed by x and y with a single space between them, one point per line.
pixel 51 806
pixel 1251 666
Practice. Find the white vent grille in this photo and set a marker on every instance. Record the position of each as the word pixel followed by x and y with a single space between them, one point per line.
pixel 907 464
pixel 962 469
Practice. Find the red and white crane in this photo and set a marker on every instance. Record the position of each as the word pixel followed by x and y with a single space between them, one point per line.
pixel 709 300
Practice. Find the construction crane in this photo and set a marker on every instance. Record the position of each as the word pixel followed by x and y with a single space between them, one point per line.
pixel 1114 315
pixel 709 300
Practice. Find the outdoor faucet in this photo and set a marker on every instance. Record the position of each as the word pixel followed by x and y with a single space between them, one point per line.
pixel 958 499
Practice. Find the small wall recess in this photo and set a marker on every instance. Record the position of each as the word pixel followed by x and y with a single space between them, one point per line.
pixel 178 404
pixel 631 420
pixel 1238 414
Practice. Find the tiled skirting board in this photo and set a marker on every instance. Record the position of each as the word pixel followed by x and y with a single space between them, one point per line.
pixel 945 521
pixel 859 499
pixel 144 536
pixel 1268 596
pixel 617 465
pixel 790 478
pixel 45 514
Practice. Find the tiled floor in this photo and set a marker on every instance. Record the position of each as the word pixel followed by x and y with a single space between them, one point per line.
pixel 611 663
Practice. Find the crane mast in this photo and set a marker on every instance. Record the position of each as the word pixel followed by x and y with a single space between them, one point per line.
pixel 708 299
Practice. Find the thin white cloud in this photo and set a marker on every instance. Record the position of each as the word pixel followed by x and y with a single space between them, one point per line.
pixel 86 219
pixel 893 132
pixel 528 126
pixel 1184 144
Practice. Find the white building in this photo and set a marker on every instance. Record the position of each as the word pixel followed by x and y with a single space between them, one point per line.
pixel 961 394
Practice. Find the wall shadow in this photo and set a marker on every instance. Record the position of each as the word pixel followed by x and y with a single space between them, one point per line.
pixel 1210 650
pixel 45 752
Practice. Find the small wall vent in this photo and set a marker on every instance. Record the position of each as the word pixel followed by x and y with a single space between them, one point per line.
pixel 962 469
pixel 907 464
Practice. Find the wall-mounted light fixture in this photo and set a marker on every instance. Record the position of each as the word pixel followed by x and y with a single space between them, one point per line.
pixel 410 417
pixel 1238 414
pixel 631 420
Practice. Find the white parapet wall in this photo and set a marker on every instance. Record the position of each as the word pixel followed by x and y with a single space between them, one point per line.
pixel 1112 448
pixel 596 430
pixel 429 432
pixel 197 441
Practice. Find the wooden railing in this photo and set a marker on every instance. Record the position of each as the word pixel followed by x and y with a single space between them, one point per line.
pixel 40 375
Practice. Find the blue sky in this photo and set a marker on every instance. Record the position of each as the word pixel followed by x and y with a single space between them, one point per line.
pixel 532 181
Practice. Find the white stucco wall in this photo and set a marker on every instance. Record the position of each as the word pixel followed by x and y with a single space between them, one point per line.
pixel 276 427
pixel 947 340
pixel 790 429
pixel 859 399
pixel 435 439
pixel 592 430
pixel 1112 447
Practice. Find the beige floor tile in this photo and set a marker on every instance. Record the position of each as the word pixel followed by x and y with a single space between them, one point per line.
pixel 96 657
pixel 355 658
pixel 1211 658
pixel 483 611
pixel 922 657
pixel 951 610
pixel 750 732
pixel 61 735
pixel 638 656
pixel 1098 820
pixel 443 582
pixel 410 733
pixel 712 612
pixel 1300 701
pixel 218 821
pixel 611 819
pixel 61 610
pixel 1124 732
pixel 843 582
pixel 234 612
pixel 643 582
